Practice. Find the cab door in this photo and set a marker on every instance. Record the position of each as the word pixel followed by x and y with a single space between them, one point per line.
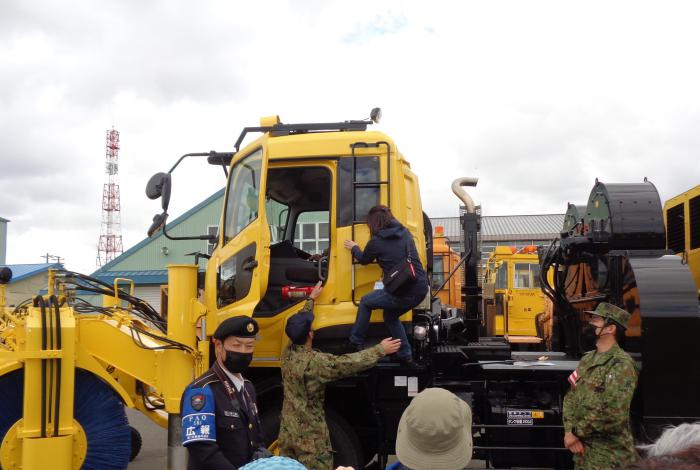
pixel 525 299
pixel 238 271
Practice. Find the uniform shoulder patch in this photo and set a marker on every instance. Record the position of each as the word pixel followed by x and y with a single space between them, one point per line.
pixel 205 379
pixel 198 401
pixel 198 415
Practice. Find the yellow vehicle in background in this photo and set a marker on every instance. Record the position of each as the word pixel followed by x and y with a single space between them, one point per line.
pixel 445 259
pixel 512 296
pixel 682 218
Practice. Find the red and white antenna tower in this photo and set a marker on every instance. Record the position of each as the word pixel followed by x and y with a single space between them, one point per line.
pixel 110 243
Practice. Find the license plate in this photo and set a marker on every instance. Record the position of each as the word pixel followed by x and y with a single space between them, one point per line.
pixel 523 417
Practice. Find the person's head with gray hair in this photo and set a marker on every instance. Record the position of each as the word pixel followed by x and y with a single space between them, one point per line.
pixel 675 439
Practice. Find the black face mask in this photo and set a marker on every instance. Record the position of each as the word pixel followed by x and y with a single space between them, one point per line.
pixel 237 362
pixel 589 337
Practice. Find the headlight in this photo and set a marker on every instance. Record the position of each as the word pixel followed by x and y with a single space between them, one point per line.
pixel 420 332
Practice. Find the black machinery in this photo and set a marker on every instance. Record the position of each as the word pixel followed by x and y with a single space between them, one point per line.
pixel 613 250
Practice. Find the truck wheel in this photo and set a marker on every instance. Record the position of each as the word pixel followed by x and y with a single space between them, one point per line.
pixel 270 425
pixel 345 443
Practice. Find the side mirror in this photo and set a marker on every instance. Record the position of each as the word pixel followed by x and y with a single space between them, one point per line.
pixel 158 223
pixel 375 115
pixel 5 275
pixel 159 186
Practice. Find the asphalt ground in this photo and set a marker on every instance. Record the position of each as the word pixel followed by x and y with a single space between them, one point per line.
pixel 155 444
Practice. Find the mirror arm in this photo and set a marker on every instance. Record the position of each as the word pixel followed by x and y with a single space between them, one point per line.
pixel 195 237
pixel 223 157
pixel 199 154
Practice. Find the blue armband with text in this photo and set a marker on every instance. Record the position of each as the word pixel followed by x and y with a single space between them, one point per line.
pixel 198 418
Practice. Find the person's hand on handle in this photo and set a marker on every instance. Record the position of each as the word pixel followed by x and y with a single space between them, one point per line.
pixel 390 345
pixel 316 291
pixel 573 443
pixel 349 244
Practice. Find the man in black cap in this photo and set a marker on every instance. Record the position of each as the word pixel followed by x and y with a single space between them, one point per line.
pixel 220 424
pixel 305 373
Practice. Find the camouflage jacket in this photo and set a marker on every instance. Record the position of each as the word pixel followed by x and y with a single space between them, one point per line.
pixel 597 409
pixel 305 373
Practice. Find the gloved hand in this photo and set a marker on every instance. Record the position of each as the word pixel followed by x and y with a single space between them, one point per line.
pixel 261 453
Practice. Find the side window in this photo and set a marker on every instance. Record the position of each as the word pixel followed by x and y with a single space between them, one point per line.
pixel 366 171
pixel 235 276
pixel 535 272
pixel 277 218
pixel 211 244
pixel 526 276
pixel 438 271
pixel 521 276
pixel 502 277
pixel 694 213
pixel 675 223
pixel 243 195
pixel 311 232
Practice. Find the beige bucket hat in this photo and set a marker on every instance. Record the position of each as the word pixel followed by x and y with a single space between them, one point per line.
pixel 435 432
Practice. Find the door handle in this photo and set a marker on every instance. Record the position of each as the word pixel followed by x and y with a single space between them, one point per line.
pixel 249 265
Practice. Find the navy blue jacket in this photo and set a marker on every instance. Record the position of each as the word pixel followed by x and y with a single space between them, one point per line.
pixel 388 248
pixel 219 434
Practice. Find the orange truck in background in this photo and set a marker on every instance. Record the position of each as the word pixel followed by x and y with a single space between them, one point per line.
pixel 445 259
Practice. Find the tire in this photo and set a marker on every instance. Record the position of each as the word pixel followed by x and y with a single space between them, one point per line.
pixel 346 445
pixel 136 443
pixel 270 425
pixel 344 440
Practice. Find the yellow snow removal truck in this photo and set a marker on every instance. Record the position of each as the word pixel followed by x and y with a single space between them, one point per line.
pixel 68 368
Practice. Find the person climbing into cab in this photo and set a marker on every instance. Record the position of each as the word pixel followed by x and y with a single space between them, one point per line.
pixel 405 283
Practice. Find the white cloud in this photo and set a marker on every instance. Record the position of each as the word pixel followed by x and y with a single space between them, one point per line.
pixel 536 98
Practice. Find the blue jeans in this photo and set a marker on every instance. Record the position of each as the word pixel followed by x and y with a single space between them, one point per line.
pixel 393 307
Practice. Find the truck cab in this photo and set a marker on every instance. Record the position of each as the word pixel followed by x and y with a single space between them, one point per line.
pixel 296 192
pixel 446 260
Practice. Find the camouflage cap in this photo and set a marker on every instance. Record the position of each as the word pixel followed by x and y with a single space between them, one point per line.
pixel 612 313
pixel 298 326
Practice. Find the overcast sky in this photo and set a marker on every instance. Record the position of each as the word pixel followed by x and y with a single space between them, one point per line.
pixel 537 99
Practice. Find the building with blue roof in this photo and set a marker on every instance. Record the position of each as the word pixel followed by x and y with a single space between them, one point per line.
pixel 28 280
pixel 146 263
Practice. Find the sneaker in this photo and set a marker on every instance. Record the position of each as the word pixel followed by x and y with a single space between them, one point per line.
pixel 354 347
pixel 408 362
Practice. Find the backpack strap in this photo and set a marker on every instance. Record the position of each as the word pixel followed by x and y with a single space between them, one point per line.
pixel 406 236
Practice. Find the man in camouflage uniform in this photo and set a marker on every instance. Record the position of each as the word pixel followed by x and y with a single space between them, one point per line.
pixel 305 372
pixel 596 410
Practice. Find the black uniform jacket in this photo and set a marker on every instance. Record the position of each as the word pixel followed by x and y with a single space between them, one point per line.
pixel 219 433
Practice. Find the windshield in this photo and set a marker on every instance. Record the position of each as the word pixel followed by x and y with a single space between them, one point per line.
pixel 243 195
